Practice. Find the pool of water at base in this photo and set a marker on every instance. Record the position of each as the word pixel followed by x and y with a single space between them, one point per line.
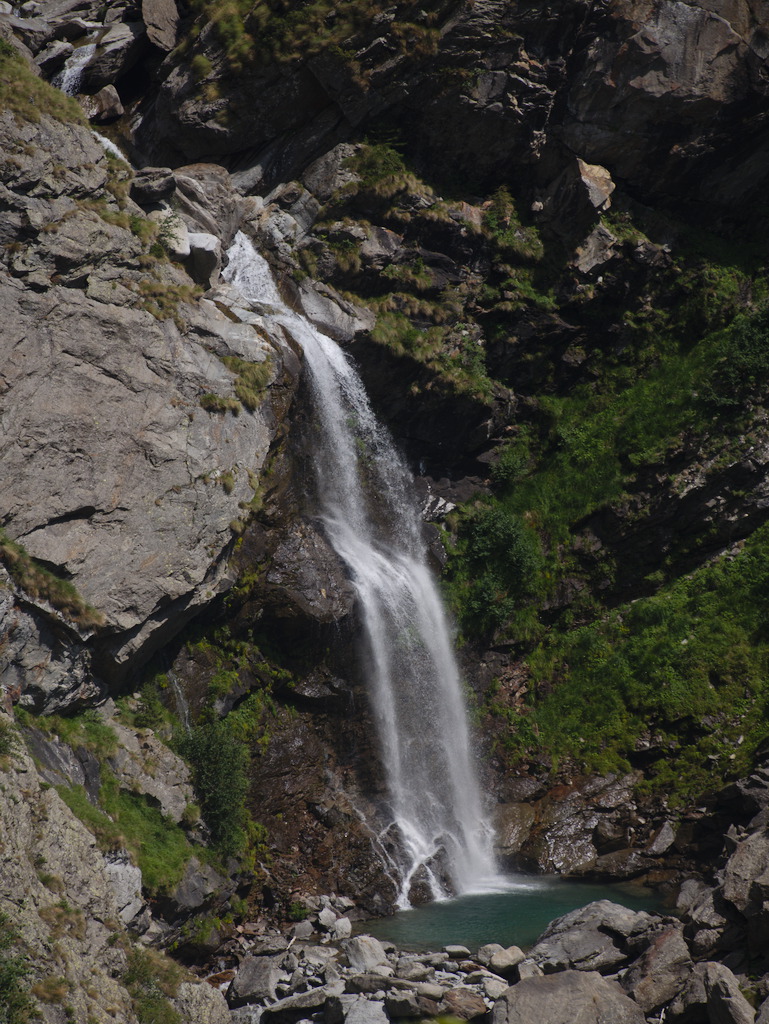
pixel 515 912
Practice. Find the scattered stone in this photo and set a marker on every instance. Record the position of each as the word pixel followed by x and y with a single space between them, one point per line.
pixel 364 952
pixel 268 945
pixel 404 1004
pixel 152 184
pixel 529 969
pixel 303 930
pixel 485 953
pixel 256 980
pixel 327 917
pixel 359 1010
pixel 410 970
pixel 304 1004
pixel 504 961
pixel 463 1003
pixel 456 952
pixel 342 929
pixel 494 987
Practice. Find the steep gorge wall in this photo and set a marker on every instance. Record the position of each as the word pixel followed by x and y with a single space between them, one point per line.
pixel 128 472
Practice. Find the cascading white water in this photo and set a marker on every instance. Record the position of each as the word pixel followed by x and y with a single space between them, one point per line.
pixel 71 75
pixel 372 523
pixel 109 146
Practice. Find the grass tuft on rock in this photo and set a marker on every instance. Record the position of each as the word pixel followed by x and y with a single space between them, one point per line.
pixel 29 97
pixel 42 585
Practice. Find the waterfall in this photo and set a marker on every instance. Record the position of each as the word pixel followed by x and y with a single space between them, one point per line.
pixel 366 507
pixel 109 147
pixel 182 707
pixel 71 75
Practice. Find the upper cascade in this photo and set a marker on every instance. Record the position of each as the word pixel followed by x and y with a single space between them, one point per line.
pixel 438 827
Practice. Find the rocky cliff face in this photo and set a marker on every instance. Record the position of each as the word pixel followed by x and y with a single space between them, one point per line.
pixel 499 210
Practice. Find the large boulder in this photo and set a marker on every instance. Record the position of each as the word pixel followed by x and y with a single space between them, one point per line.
pixel 660 972
pixel 711 993
pixel 601 936
pixel 119 49
pixel 161 19
pixel 570 997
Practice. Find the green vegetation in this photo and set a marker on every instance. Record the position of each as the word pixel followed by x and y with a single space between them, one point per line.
pixel 219 770
pixel 282 31
pixel 151 979
pixel 251 379
pixel 8 740
pixel 677 681
pixel 215 403
pixel 162 299
pixel 53 989
pixel 687 668
pixel 42 585
pixel 502 225
pixel 86 730
pixel 220 750
pixel 15 1005
pixel 29 97
pixel 159 846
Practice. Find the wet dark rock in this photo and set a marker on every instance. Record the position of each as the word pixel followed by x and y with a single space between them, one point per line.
pixel 120 48
pixel 52 58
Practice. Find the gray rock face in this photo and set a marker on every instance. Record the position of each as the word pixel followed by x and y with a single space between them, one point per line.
pixel 569 997
pixel 364 952
pixel 712 992
pixel 306 576
pixel 748 864
pixel 152 184
pixel 119 49
pixel 660 972
pixel 44 663
pixel 205 258
pixel 161 20
pixel 593 938
pixel 126 881
pixel 255 981
pixel 49 855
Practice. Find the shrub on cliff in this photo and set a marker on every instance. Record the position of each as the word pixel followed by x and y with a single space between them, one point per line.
pixel 219 765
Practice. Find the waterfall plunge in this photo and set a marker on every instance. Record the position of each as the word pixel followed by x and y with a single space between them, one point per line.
pixel 372 523
pixel 71 75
